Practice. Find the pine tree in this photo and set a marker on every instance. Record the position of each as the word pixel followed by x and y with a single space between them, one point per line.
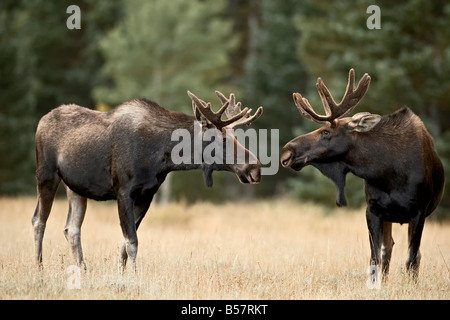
pixel 43 64
pixel 161 49
pixel 408 58
pixel 409 54
pixel 16 107
pixel 273 73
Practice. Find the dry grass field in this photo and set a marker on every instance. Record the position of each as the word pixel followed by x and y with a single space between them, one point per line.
pixel 263 250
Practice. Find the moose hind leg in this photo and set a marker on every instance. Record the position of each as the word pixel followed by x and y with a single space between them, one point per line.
pixel 375 226
pixel 46 189
pixel 72 230
pixel 415 229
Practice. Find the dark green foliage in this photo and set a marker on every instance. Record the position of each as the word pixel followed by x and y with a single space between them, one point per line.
pixel 261 50
pixel 43 64
pixel 273 73
pixel 408 59
pixel 161 49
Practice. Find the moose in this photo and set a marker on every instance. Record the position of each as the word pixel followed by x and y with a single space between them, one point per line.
pixel 394 154
pixel 125 155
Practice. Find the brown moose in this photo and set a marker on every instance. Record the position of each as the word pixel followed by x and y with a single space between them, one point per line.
pixel 125 154
pixel 394 154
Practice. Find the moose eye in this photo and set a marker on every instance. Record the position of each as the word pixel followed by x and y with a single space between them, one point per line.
pixel 325 133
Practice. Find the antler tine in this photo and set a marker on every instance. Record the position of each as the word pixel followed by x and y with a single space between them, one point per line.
pixel 226 104
pixel 236 116
pixel 205 109
pixel 306 110
pixel 233 108
pixel 221 97
pixel 247 119
pixel 351 97
pixel 332 110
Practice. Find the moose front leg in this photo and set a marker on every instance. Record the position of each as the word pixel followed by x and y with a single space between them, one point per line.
pixel 130 240
pixel 142 198
pixel 386 251
pixel 375 225
pixel 140 209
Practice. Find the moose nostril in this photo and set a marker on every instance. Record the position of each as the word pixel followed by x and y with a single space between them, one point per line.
pixel 285 158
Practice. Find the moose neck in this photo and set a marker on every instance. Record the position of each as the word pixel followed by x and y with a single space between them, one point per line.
pixel 379 157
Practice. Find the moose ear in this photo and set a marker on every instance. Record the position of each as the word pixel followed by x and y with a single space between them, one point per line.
pixel 364 121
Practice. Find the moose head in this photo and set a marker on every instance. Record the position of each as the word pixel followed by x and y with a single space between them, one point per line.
pixel 324 147
pixel 228 153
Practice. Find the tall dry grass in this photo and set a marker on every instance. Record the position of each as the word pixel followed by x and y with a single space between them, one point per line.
pixel 262 250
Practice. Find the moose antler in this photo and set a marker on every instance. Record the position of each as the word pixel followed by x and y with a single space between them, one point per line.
pixel 332 110
pixel 233 111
